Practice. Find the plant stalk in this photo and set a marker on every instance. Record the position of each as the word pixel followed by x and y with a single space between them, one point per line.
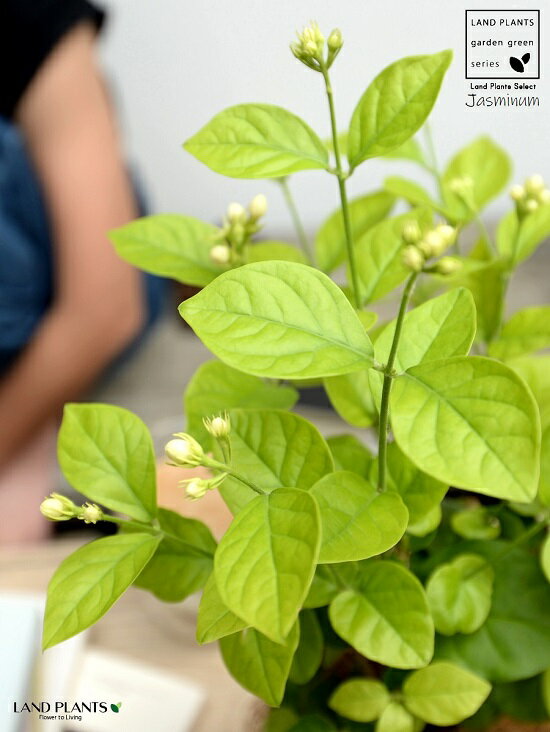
pixel 343 193
pixel 296 220
pixel 388 378
pixel 154 530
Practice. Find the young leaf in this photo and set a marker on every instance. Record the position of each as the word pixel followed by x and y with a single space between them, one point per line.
pixel 257 141
pixel 459 594
pixel 545 557
pixel 444 694
pixel 395 718
pixel 350 454
pixel 265 562
pixel 357 522
pixel 265 251
pixel 442 327
pixel 475 523
pixel 395 105
pixel 90 580
pixel 169 245
pixel 469 422
pixel 281 320
pixel 412 192
pixel 351 397
pixel 514 641
pixel 365 212
pixel 273 450
pixel 527 331
pixel 309 653
pixel 215 388
pixel 106 453
pixel 487 165
pixel 183 560
pixel 386 616
pixel 379 255
pixel 518 241
pixel 409 150
pixel 215 620
pixel 258 664
pixel 361 700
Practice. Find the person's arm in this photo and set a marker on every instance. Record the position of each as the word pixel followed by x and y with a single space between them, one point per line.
pixel 70 133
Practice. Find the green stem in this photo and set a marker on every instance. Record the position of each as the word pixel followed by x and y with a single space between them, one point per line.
pixel 296 220
pixel 154 530
pixel 388 378
pixel 343 193
pixel 434 168
pixel 234 474
pixel 532 531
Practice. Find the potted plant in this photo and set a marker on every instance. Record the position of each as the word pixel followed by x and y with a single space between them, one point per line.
pixel 352 590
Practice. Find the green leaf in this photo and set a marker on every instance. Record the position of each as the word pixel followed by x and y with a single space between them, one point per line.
pixel 309 653
pixel 489 168
pixel 265 251
pixel 459 594
pixel 265 562
pixel 258 664
pixel 350 454
pixel 351 397
pixel 521 700
pixel 386 616
pixel 469 422
pixel 486 283
pixel 357 521
pixel 514 641
pixel 323 588
pixel 90 580
pixel 215 388
pixel 545 557
pixel 420 493
pixel 546 689
pixel 380 253
pixel 169 245
pixel 527 331
pixel 257 141
pixel 279 319
pixel 475 523
pixel 313 723
pixel 444 694
pixel 395 718
pixel 106 453
pixel 409 150
pixel 365 212
pixel 183 560
pixel 362 700
pixel 215 620
pixel 518 241
pixel 442 327
pixel 412 192
pixel 272 450
pixel 395 105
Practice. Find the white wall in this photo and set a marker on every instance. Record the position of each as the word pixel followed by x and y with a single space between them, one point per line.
pixel 175 63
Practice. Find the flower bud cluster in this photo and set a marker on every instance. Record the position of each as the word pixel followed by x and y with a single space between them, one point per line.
pixel 310 47
pixel 238 226
pixel 530 196
pixel 196 488
pixel 57 507
pixel 421 246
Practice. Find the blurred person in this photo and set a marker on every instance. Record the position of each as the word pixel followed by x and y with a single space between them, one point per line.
pixel 68 305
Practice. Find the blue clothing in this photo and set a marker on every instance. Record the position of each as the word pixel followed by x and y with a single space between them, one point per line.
pixel 26 258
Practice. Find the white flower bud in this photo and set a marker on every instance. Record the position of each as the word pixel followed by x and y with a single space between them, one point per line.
pixel 220 254
pixel 432 244
pixel 447 233
pixel 544 196
pixel 258 206
pixel 534 184
pixel 412 258
pixel 310 47
pixel 197 488
pixel 184 451
pixel 335 40
pixel 531 205
pixel 236 213
pixel 218 426
pixel 58 508
pixel 448 265
pixel 90 513
pixel 411 232
pixel 517 192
